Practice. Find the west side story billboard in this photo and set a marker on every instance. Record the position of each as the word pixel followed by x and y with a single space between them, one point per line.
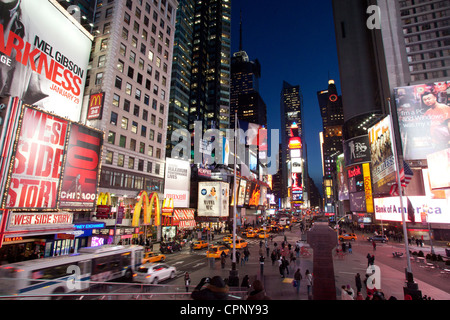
pixel 55 164
pixel 44 55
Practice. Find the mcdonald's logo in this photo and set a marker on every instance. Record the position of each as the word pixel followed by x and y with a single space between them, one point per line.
pixel 95 106
pixel 151 208
pixel 168 206
pixel 104 199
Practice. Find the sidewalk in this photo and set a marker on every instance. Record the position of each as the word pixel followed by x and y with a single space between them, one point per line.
pixel 345 270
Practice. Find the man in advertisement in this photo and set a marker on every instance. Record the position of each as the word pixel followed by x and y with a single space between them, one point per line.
pixel 43 56
pixel 439 114
pixel 423 115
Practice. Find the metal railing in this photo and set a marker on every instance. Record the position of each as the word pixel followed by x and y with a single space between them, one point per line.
pixel 118 291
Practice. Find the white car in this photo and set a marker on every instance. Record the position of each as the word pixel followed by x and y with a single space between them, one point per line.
pixel 154 273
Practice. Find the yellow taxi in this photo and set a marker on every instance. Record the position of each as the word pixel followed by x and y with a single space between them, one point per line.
pixel 228 238
pixel 200 244
pixel 263 235
pixel 216 251
pixel 240 244
pixel 347 236
pixel 153 257
pixel 251 234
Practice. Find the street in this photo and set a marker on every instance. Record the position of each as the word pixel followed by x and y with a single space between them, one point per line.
pixel 431 281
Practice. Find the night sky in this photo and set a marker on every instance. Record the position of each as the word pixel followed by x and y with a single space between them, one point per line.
pixel 294 41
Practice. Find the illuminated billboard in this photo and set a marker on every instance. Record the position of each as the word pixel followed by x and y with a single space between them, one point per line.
pixel 425 209
pixel 213 199
pixel 423 116
pixel 45 57
pixel 382 156
pixel 55 164
pixel 439 169
pixel 177 182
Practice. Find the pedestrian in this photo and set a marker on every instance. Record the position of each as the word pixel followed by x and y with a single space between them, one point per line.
pixel 281 267
pixel 297 250
pixel 243 260
pixel 358 282
pixel 246 254
pixel 258 292
pixel 273 256
pixel 261 263
pixel 238 256
pixel 372 260
pixel 245 282
pixel 222 259
pixel 350 291
pixel 350 248
pixel 297 278
pixel 286 265
pixel 309 282
pixel 267 250
pixel 187 281
pixel 344 294
pixel 368 259
pixel 216 289
pixel 344 247
pixel 374 245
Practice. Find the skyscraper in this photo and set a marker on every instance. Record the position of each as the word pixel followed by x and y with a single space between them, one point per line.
pixel 180 85
pixel 210 74
pixel 244 93
pixel 131 63
pixel 291 107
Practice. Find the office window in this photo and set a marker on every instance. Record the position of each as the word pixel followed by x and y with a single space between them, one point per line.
pixel 144 115
pixel 134 126
pixel 124 124
pixel 144 131
pixel 130 73
pixel 116 100
pixel 142 147
pixel 126 105
pixel 123 50
pixel 136 110
pixel 149 167
pixel 124 33
pixel 132 56
pixel 111 137
pixel 98 78
pixel 134 41
pixel 137 94
pixel 159 138
pixel 118 82
pixel 158 153
pixel 130 163
pixel 150 151
pixel 153 119
pixel 126 18
pixel 119 65
pixel 120 160
pixel 151 134
pixel 104 44
pixel 107 28
pixel 160 123
pixel 101 61
pixel 128 89
pixel 123 141
pixel 132 144
pixel 146 99
pixel 157 166
pixel 113 119
pixel 141 165
pixel 109 157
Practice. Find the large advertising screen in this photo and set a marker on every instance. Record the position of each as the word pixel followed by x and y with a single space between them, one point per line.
pixel 45 57
pixel 382 156
pixel 54 164
pixel 439 169
pixel 82 164
pixel 423 116
pixel 213 199
pixel 177 182
pixel 357 150
pixel 38 161
pixel 425 209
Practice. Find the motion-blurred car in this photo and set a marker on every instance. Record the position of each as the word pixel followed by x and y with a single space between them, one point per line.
pixel 251 234
pixel 347 236
pixel 169 247
pixel 239 244
pixel 216 251
pixel 380 238
pixel 200 244
pixel 153 257
pixel 263 235
pixel 154 273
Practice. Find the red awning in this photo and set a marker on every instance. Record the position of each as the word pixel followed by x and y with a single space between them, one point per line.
pixel 184 218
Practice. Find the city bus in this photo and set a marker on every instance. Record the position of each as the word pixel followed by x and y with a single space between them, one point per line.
pixel 71 273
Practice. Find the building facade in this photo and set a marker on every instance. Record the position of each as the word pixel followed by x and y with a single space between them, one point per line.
pixel 131 62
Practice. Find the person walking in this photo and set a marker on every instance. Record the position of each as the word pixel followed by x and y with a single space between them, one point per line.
pixel 297 278
pixel 281 267
pixel 222 259
pixel 350 248
pixel 261 264
pixel 309 283
pixel 187 281
pixel 374 245
pixel 358 283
